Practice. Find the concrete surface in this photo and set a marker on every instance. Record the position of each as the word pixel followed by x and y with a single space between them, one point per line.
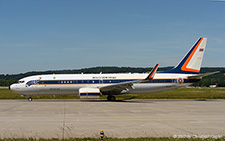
pixel 131 118
pixel 4 87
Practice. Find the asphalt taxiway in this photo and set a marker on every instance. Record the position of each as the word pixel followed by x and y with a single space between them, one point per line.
pixel 128 118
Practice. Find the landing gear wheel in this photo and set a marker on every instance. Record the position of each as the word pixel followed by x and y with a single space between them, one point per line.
pixel 30 99
pixel 111 98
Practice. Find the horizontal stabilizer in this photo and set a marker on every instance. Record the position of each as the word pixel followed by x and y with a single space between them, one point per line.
pixel 199 76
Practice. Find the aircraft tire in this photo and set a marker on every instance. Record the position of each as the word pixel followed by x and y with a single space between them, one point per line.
pixel 30 99
pixel 111 98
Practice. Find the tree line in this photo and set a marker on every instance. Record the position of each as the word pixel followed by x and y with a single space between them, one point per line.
pixel 219 79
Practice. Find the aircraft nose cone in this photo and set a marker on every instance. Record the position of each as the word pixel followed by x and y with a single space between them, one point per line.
pixel 12 87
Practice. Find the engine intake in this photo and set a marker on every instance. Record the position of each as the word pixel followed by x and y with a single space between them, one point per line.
pixel 89 93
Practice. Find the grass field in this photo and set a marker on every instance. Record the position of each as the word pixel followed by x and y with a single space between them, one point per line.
pixel 182 93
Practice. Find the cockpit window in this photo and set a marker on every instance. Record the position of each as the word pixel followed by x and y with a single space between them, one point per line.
pixel 32 82
pixel 21 81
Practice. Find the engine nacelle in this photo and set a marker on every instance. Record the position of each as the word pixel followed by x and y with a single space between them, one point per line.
pixel 89 93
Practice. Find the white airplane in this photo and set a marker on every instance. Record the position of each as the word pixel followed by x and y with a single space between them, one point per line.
pixel 213 86
pixel 183 74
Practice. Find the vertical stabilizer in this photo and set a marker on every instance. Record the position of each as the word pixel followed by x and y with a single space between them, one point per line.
pixel 192 61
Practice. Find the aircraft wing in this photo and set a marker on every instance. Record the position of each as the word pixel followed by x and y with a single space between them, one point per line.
pixel 118 87
pixel 199 76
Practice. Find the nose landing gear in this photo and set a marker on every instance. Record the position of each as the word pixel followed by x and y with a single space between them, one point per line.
pixel 30 99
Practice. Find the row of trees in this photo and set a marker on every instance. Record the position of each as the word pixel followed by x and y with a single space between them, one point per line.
pixel 8 79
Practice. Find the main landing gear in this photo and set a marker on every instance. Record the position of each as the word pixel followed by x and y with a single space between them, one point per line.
pixel 111 98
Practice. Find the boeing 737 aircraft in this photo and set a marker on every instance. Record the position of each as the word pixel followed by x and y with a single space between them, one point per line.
pixel 183 74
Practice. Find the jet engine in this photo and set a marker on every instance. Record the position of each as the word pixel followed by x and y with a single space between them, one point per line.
pixel 89 93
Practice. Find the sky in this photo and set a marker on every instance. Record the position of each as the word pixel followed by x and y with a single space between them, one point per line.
pixel 39 35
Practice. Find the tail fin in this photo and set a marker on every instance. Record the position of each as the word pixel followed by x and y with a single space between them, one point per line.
pixel 192 61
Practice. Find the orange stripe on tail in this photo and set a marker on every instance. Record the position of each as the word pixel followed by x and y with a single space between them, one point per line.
pixel 184 67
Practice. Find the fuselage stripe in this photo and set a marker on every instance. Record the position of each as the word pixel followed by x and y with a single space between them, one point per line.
pixel 63 82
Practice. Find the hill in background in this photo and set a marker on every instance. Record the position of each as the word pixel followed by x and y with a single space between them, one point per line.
pixel 6 80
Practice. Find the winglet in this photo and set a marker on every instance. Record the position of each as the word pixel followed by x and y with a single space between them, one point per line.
pixel 152 73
